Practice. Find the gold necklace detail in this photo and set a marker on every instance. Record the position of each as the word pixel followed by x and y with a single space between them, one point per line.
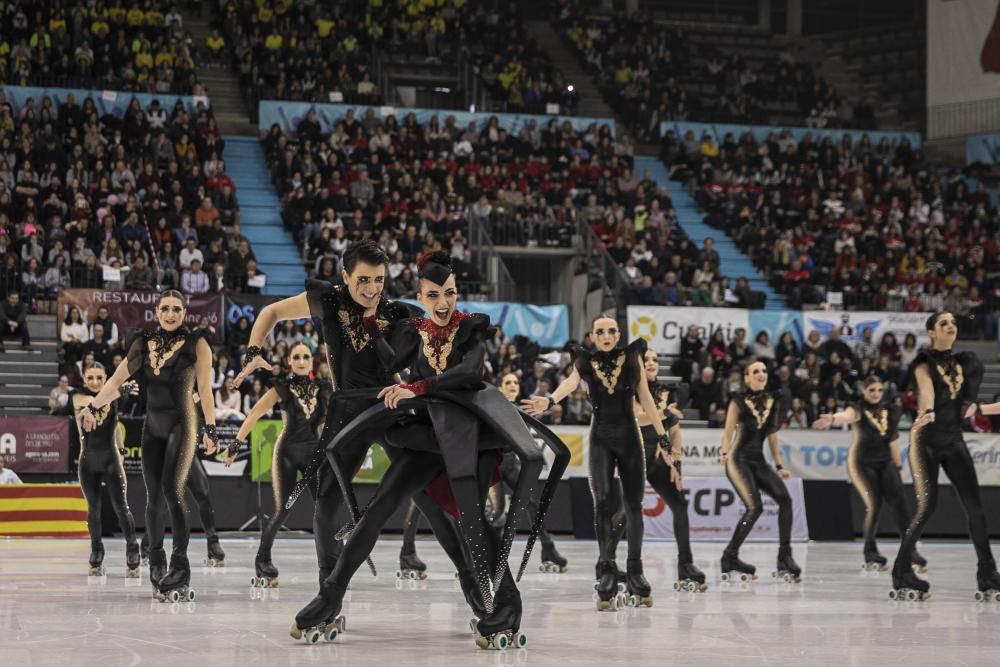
pixel 609 379
pixel 305 396
pixel 760 414
pixel 952 376
pixel 354 331
pixel 879 419
pixel 437 350
pixel 160 353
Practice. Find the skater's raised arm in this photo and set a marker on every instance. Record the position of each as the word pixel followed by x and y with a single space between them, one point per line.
pixel 261 408
pixel 536 405
pixel 846 416
pixel 292 308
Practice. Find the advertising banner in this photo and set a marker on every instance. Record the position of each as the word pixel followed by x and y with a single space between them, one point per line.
pixel 853 324
pixel 714 508
pixel 107 101
pixel 718 132
pixel 663 327
pixel 982 148
pixel 35 444
pixel 288 115
pixel 138 309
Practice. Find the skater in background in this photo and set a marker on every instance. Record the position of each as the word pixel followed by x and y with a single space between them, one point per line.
pixel 947 384
pixel 753 417
pixel 614 378
pixel 169 362
pixel 101 463
pixel 873 463
pixel 304 402
pixel 663 465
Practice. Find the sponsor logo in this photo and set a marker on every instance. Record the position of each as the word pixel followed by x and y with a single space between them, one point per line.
pixel 644 327
pixel 8 444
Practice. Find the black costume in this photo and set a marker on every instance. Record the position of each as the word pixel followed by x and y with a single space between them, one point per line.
pixel 760 416
pixel 100 461
pixel 615 441
pixel 304 405
pixel 939 445
pixel 872 472
pixel 433 451
pixel 164 364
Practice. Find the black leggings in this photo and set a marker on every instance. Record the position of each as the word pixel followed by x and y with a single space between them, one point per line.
pixel 925 462
pixel 287 460
pixel 105 467
pixel 199 491
pixel 749 478
pixel 876 482
pixel 510 469
pixel 605 456
pixel 411 522
pixel 408 474
pixel 168 446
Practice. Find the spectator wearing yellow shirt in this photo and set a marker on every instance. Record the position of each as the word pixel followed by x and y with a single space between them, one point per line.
pixel 215 43
pixel 154 17
pixel 708 148
pixel 40 39
pixel 274 40
pixel 116 14
pixel 136 17
pixel 164 56
pixel 323 26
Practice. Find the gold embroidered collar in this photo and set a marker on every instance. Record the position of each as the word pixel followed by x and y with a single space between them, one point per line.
pixel 878 418
pixel 163 345
pixel 760 407
pixel 608 368
pixel 305 394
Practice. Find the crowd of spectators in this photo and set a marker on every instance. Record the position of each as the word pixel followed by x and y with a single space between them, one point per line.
pixel 653 73
pixel 325 52
pixel 877 225
pixel 116 45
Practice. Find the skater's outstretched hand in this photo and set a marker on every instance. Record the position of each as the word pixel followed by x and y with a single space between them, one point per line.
pixel 535 405
pixel 88 421
pixel 210 446
pixel 785 473
pixel 823 422
pixel 674 411
pixel 923 420
pixel 395 393
pixel 255 363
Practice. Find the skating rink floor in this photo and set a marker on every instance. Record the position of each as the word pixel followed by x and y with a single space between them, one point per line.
pixel 53 614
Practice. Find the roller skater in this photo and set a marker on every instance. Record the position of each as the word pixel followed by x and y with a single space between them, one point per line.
pixel 663 467
pixel 614 378
pixel 169 362
pixel 947 385
pixel 355 319
pixel 101 461
pixel 874 465
pixel 304 402
pixel 432 440
pixel 752 418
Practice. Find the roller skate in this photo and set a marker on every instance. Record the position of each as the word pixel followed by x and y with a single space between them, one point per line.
pixel 157 568
pixel 320 619
pixel 216 556
pixel 690 579
pixel 908 586
pixel 175 585
pixel 786 568
pixel 467 582
pixel 143 553
pixel 502 629
pixel 132 560
pixel 552 560
pixel 96 561
pixel 610 593
pixel 988 582
pixel 919 562
pixel 638 590
pixel 874 561
pixel 735 570
pixel 410 566
pixel 266 572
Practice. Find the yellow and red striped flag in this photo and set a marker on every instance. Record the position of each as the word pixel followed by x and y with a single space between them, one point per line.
pixel 43 510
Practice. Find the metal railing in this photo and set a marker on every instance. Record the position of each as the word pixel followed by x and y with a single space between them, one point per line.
pixel 497 281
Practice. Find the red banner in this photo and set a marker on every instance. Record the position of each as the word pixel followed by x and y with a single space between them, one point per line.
pixel 138 309
pixel 35 444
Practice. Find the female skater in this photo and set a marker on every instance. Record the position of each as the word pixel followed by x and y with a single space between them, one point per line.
pixel 873 463
pixel 169 362
pixel 101 461
pixel 947 386
pixel 614 377
pixel 303 413
pixel 751 418
pixel 663 469
pixel 448 446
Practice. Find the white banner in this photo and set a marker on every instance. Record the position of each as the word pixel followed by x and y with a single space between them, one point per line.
pixel 963 51
pixel 807 454
pixel 663 327
pixel 853 324
pixel 715 509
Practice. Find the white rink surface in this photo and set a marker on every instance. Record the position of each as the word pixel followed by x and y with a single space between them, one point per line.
pixel 53 614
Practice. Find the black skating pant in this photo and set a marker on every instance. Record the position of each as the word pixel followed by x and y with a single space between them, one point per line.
pixel 97 467
pixel 877 483
pixel 287 460
pixel 658 476
pixel 168 447
pixel 749 478
pixel 409 473
pixel 623 450
pixel 197 490
pixel 929 452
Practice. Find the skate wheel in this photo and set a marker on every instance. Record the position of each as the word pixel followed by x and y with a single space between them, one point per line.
pixel 330 633
pixel 633 601
pixel 745 578
pixel 175 596
pixel 399 574
pixel 677 586
pixel 340 623
pixel 312 636
pixel 724 577
pixel 253 582
pixel 520 640
pixel 414 575
pixel 621 587
pixel 979 596
pixel 500 641
pixel 911 595
pixel 190 595
pixel 893 594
